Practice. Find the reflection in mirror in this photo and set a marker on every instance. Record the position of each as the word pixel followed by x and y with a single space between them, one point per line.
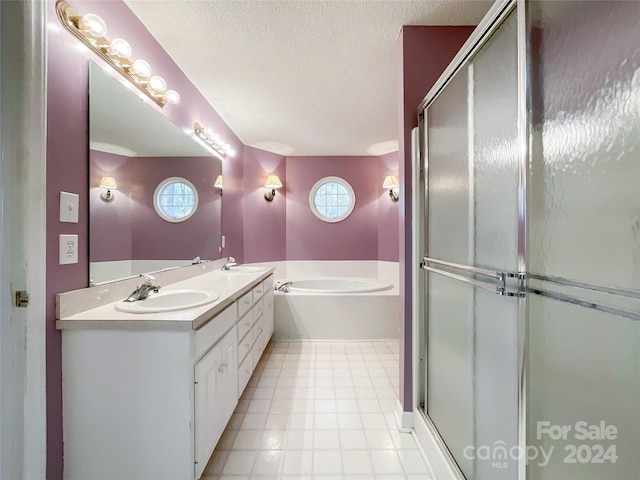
pixel 136 147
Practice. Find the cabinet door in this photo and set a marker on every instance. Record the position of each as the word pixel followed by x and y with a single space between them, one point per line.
pixel 207 405
pixel 228 395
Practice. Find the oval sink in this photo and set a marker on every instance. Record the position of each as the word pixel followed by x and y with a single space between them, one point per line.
pixel 240 269
pixel 169 301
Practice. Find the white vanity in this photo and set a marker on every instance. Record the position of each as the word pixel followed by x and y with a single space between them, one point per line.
pixel 147 396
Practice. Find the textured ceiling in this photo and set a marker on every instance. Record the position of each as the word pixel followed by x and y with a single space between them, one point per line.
pixel 309 77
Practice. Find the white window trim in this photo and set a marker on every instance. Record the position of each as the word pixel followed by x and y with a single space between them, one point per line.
pixel 159 188
pixel 342 182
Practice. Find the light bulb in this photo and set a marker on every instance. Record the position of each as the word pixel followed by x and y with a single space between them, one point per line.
pixel 141 68
pixel 158 84
pixel 94 25
pixel 172 97
pixel 121 48
pixel 232 152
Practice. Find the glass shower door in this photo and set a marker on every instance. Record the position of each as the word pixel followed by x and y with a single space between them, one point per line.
pixel 472 302
pixel 584 211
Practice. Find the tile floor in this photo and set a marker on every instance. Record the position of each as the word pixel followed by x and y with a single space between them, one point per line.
pixel 319 411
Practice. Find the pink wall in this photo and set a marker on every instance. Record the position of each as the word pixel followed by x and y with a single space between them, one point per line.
pixel 388 229
pixel 356 237
pixel 68 166
pixel 286 229
pixel 130 220
pixel 264 222
pixel 422 55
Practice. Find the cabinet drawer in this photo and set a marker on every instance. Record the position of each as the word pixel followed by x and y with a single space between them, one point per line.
pixel 244 303
pixel 244 325
pixel 257 310
pixel 258 291
pixel 257 330
pixel 213 331
pixel 244 346
pixel 244 373
pixel 268 283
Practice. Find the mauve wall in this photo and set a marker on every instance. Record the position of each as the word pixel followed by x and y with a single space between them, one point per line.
pixel 356 237
pixel 422 55
pixel 68 166
pixel 286 229
pixel 264 222
pixel 388 228
pixel 130 220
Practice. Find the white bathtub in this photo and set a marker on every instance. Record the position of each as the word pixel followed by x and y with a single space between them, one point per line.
pixel 339 286
pixel 337 308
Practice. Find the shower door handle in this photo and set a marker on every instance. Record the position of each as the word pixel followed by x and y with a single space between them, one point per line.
pixel 498 280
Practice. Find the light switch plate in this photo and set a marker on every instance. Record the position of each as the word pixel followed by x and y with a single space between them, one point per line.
pixel 69 207
pixel 68 249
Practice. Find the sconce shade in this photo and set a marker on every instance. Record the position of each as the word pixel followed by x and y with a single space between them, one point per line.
pixel 273 182
pixel 109 183
pixel 218 182
pixel 391 181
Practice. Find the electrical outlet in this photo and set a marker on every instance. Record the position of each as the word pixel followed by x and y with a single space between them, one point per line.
pixel 68 249
pixel 69 207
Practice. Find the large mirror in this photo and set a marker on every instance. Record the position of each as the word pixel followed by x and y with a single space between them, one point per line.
pixel 135 147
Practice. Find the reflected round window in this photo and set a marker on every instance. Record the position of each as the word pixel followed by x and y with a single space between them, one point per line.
pixel 175 199
pixel 332 199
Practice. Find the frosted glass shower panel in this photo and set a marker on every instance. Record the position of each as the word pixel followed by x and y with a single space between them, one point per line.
pixel 584 370
pixel 450 365
pixel 585 174
pixel 449 217
pixel 494 98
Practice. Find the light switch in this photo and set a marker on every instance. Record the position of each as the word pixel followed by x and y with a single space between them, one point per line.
pixel 69 207
pixel 68 249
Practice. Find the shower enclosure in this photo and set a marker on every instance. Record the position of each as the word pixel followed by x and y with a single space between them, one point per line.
pixel 529 296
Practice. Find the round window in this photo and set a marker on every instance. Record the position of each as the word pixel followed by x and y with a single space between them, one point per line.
pixel 175 199
pixel 332 199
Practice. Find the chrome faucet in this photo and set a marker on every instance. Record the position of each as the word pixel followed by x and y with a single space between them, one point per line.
pixel 231 263
pixel 144 290
pixel 282 287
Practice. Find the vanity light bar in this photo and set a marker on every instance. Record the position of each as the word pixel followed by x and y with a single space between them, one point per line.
pixel 91 30
pixel 213 141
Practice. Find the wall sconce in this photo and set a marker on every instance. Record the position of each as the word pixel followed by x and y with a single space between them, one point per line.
pixel 213 141
pixel 271 184
pixel 218 183
pixel 110 184
pixel 391 182
pixel 91 30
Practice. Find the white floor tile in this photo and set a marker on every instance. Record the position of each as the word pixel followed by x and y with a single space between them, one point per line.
pixel 319 411
pixel 327 462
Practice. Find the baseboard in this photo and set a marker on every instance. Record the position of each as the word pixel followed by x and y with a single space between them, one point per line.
pixel 404 420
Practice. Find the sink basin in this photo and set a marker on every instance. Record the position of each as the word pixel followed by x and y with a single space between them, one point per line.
pixel 169 301
pixel 243 269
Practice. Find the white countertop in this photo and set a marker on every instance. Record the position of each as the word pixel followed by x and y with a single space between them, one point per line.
pixel 229 288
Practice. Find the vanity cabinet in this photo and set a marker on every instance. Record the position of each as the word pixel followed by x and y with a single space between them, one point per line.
pixel 254 329
pixel 150 399
pixel 215 389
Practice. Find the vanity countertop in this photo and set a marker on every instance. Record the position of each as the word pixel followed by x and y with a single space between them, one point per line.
pixel 229 288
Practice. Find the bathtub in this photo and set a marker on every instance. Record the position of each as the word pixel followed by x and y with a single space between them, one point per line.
pixel 336 308
pixel 338 286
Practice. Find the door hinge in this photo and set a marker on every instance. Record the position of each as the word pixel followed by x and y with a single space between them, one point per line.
pixel 22 298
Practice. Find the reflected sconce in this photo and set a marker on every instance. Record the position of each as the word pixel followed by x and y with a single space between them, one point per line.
pixel 391 182
pixel 218 183
pixel 213 142
pixel 271 184
pixel 109 183
pixel 91 30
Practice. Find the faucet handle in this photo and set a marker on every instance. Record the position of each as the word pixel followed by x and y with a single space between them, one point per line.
pixel 232 260
pixel 149 280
